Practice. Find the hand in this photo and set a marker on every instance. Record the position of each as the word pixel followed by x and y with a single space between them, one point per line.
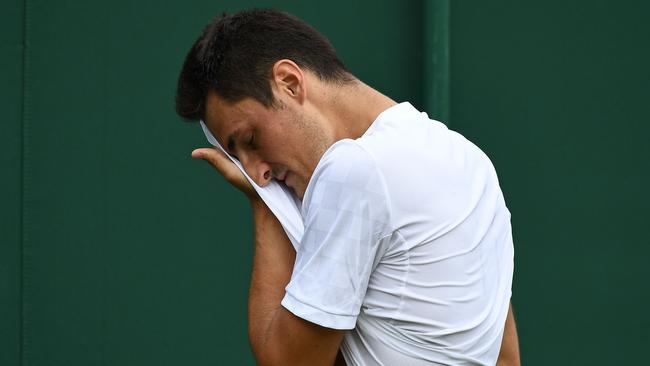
pixel 227 168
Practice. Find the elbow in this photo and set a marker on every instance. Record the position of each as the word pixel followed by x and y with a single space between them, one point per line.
pixel 268 357
pixel 265 355
pixel 270 352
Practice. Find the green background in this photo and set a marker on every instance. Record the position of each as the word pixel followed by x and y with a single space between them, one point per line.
pixel 117 249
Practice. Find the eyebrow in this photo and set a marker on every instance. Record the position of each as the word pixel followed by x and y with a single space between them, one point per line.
pixel 232 144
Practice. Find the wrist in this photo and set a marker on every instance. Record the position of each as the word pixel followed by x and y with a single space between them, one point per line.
pixel 257 203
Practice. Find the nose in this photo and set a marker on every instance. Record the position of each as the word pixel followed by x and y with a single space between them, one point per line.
pixel 257 169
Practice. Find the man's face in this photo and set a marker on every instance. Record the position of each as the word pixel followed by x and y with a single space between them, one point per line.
pixel 271 143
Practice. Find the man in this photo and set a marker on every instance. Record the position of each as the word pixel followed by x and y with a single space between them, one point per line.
pixel 406 257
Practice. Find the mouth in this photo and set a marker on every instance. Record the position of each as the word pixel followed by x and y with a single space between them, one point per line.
pixel 282 177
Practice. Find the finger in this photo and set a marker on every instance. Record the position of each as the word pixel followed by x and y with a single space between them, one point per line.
pixel 222 163
pixel 215 157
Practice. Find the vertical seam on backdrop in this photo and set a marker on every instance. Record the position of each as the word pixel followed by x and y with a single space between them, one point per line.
pixel 24 199
pixel 441 42
pixel 436 59
pixel 103 248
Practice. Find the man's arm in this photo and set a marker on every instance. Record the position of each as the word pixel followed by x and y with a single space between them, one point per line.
pixel 509 354
pixel 277 336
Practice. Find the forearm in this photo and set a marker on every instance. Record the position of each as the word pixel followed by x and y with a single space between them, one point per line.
pixel 272 265
pixel 509 354
pixel 277 336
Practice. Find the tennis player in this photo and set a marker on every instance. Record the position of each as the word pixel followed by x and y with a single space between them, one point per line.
pixel 407 254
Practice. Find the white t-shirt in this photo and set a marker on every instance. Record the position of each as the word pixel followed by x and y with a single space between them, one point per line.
pixel 407 244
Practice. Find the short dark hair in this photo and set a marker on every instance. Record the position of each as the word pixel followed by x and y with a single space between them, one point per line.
pixel 235 53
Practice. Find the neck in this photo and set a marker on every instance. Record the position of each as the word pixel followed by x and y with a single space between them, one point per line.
pixel 350 110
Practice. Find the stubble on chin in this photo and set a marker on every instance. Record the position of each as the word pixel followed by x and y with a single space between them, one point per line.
pixel 316 138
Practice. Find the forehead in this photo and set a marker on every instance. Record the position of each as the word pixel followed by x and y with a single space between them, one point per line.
pixel 223 117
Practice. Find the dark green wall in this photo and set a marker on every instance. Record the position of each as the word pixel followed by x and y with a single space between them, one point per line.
pixel 557 93
pixel 117 248
pixel 11 97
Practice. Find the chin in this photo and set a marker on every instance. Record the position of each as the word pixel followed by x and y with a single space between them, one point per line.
pixel 298 192
pixel 289 181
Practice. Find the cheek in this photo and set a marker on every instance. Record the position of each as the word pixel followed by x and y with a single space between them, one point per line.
pixel 276 147
pixel 269 152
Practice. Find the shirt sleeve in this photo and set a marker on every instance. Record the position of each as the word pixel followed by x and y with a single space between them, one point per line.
pixel 347 225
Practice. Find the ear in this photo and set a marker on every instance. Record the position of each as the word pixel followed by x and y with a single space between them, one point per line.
pixel 289 80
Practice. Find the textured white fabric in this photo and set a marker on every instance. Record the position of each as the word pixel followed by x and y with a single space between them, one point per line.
pixel 407 245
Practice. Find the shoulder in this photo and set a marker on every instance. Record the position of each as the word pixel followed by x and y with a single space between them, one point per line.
pixel 348 164
pixel 347 178
pixel 346 155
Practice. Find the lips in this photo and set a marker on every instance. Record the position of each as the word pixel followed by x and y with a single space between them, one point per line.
pixel 281 177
